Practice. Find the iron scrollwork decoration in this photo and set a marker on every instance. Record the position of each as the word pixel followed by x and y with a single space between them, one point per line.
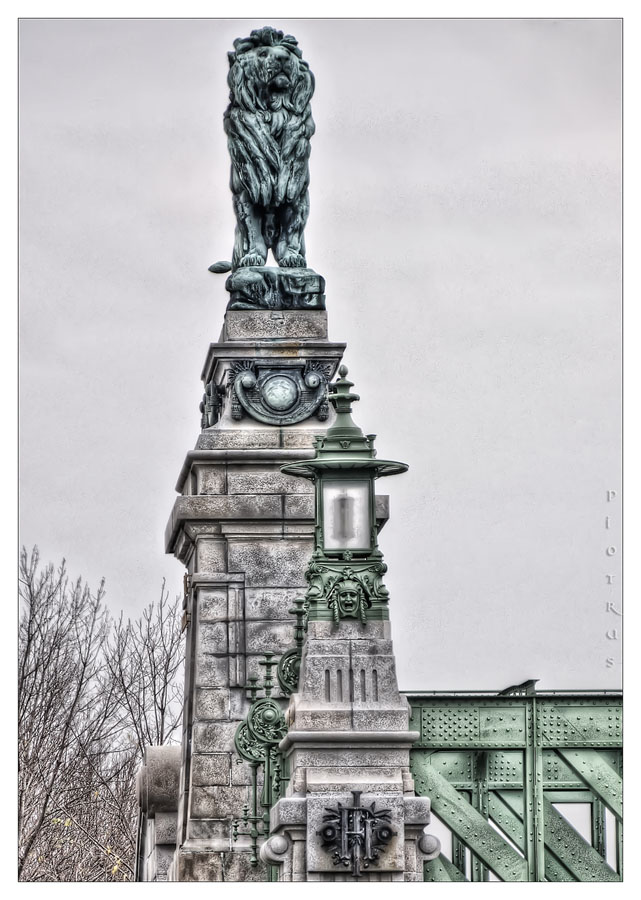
pixel 256 741
pixel 356 835
pixel 288 668
pixel 279 395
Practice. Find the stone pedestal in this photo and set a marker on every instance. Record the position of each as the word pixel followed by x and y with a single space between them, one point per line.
pixel 244 533
pixel 348 745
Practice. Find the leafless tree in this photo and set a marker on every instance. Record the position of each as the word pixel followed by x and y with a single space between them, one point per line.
pixel 92 693
pixel 145 661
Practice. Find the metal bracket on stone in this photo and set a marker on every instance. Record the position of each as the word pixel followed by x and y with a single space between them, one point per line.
pixel 282 394
pixel 355 835
pixel 211 404
pixel 256 741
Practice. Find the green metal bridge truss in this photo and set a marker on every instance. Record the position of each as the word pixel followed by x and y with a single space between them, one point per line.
pixel 497 769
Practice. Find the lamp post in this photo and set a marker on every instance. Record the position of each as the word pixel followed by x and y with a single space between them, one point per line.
pixel 346 571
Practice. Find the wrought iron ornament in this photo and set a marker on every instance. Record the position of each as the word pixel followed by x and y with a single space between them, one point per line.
pixel 256 741
pixel 356 835
pixel 288 669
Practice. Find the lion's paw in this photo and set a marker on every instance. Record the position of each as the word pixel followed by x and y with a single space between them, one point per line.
pixel 293 261
pixel 252 259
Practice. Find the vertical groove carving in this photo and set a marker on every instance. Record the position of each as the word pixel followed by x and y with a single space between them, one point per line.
pixel 328 691
pixel 374 685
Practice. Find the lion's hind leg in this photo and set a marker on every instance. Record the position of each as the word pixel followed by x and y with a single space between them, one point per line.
pixel 290 249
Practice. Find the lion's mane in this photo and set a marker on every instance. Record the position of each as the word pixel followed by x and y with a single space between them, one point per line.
pixel 269 130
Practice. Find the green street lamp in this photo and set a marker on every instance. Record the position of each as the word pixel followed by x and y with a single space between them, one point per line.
pixel 346 569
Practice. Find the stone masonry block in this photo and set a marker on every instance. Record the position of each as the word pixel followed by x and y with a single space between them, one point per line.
pixel 214 737
pixel 210 555
pixel 212 605
pixel 301 439
pixel 240 771
pixel 271 603
pixel 199 866
pixel 238 439
pixel 211 703
pixel 212 671
pixel 212 830
pixel 165 828
pixel 164 858
pixel 238 703
pixel 210 479
pixel 263 480
pixel 217 802
pixel 299 506
pixel 234 506
pixel 212 637
pixel 387 779
pixel 261 636
pixel 211 769
pixel 270 563
pixel 237 868
pixel 417 810
pixel 358 757
pixel 253 324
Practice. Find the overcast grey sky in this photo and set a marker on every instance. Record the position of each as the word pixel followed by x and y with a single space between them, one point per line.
pixel 465 212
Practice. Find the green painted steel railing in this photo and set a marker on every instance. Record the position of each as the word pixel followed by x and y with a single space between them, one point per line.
pixel 497 768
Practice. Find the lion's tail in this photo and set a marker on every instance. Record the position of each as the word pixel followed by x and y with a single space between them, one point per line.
pixel 218 268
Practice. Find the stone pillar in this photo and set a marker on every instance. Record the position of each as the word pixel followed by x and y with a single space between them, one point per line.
pixel 243 530
pixel 348 732
pixel 157 786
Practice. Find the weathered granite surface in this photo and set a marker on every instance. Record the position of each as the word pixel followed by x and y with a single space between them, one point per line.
pixel 269 324
pixel 243 531
pixel 348 732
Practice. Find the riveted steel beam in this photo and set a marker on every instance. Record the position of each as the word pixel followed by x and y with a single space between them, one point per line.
pixel 441 869
pixel 575 854
pixel 512 824
pixel 599 775
pixel 470 826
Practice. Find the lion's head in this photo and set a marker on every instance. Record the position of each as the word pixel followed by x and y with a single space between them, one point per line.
pixel 267 72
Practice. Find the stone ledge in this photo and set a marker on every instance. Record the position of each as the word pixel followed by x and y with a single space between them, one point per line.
pixel 322 739
pixel 248 457
pixel 270 349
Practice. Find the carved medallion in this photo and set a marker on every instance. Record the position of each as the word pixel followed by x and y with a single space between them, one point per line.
pixel 279 395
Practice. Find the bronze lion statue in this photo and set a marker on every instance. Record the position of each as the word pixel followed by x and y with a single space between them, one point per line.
pixel 269 125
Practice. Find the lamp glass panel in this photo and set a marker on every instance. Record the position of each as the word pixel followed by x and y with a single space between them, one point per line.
pixel 346 514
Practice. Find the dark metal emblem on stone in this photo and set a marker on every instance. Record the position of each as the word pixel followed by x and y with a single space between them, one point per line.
pixel 356 835
pixel 279 395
